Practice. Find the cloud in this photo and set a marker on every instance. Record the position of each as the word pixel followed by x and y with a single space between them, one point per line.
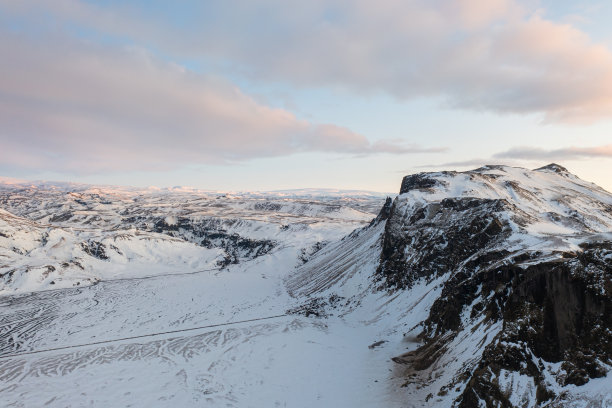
pixel 499 55
pixel 518 155
pixel 462 163
pixel 567 153
pixel 68 105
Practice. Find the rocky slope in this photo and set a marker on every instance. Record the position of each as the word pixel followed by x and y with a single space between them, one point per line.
pixel 513 272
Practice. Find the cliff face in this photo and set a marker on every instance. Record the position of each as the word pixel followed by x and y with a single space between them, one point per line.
pixel 524 254
pixel 554 312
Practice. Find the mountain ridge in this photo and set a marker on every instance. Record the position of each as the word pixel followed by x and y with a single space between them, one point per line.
pixel 523 257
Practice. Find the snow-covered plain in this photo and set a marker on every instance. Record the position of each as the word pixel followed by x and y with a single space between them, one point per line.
pixel 272 359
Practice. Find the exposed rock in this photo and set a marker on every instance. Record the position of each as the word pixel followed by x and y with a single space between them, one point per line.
pixel 212 233
pixel 438 237
pixel 553 167
pixel 95 249
pixel 551 298
pixel 385 211
pixel 420 181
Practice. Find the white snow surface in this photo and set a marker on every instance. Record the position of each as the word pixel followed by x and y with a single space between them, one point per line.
pixel 159 323
pixel 49 231
pixel 550 210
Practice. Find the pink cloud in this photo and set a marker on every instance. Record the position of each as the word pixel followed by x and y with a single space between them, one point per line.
pixel 69 105
pixel 566 153
pixel 518 156
pixel 497 55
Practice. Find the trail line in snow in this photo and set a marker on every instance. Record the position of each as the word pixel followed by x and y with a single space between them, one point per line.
pixel 134 278
pixel 91 285
pixel 5 356
pixel 161 275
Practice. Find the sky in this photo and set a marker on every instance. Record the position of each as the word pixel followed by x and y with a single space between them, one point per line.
pixel 271 94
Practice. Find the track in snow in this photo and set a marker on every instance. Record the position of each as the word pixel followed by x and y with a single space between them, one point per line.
pixel 131 309
pixel 4 356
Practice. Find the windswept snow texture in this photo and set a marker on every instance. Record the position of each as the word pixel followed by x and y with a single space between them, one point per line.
pixel 489 288
pixel 159 298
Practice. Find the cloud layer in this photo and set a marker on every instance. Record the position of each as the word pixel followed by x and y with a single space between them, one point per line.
pixel 519 155
pixel 498 55
pixel 566 153
pixel 76 106
pixel 88 86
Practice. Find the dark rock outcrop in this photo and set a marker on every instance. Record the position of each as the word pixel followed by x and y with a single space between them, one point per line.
pixel 553 167
pixel 440 237
pixel 420 181
pixel 553 312
pixel 212 233
pixel 553 306
pixel 95 249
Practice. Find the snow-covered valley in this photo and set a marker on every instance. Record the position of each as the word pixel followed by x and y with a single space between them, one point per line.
pixel 190 340
pixel 445 296
pixel 123 297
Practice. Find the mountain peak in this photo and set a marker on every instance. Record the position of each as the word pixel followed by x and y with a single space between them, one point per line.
pixel 553 167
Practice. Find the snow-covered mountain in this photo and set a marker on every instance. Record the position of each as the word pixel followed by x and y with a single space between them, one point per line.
pixel 500 279
pixel 491 287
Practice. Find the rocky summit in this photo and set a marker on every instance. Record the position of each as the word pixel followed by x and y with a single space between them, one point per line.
pixel 529 252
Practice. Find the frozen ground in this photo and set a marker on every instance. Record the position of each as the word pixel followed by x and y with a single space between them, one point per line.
pixel 62 235
pixel 158 322
pixel 116 297
pixel 245 349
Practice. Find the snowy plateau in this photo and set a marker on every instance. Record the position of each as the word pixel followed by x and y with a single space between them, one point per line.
pixel 484 288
